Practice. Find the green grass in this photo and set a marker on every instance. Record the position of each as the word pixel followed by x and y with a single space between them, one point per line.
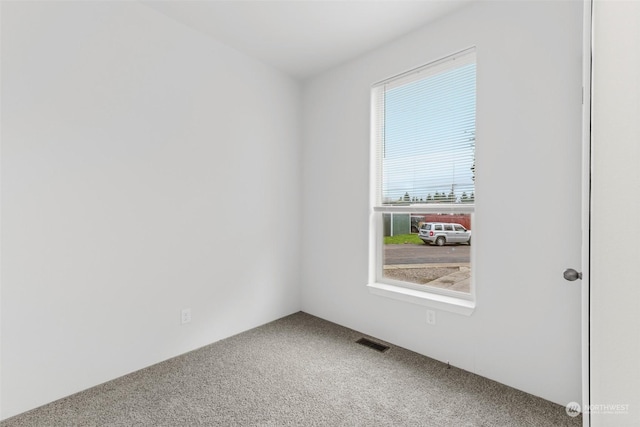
pixel 402 239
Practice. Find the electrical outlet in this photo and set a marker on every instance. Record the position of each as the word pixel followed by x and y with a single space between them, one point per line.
pixel 185 315
pixel 431 317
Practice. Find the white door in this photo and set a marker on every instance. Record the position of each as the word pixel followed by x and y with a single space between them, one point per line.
pixel 529 204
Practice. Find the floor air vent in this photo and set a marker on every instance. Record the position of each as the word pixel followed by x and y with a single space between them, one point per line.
pixel 374 345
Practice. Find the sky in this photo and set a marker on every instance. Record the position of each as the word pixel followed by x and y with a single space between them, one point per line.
pixel 429 135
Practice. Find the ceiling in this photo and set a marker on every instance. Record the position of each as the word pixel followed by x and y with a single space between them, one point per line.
pixel 305 37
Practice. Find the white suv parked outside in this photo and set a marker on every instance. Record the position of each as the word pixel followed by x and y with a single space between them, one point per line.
pixel 444 232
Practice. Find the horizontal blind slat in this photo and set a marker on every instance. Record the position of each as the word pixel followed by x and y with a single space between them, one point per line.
pixel 426 138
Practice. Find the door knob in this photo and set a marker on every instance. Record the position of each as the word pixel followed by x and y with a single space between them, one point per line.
pixel 570 274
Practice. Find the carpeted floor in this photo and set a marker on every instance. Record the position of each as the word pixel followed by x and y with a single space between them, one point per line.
pixel 299 370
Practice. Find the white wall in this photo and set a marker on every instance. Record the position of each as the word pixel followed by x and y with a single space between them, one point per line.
pixel 145 168
pixel 615 294
pixel 529 90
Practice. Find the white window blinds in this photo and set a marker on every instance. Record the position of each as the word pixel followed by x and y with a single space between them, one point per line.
pixel 424 135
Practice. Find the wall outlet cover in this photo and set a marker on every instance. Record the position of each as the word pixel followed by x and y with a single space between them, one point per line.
pixel 185 315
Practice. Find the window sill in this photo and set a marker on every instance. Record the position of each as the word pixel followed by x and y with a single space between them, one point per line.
pixel 428 299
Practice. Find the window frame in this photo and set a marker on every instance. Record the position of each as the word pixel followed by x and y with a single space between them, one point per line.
pixel 444 299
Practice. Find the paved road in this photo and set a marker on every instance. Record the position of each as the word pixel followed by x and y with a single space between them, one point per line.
pixel 425 254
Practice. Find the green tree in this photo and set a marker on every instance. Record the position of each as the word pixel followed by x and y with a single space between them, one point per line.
pixel 472 140
pixel 451 197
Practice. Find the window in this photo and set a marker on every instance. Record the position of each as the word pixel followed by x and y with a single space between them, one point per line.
pixel 423 178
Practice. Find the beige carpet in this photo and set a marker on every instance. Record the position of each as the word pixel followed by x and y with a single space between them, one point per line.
pixel 299 370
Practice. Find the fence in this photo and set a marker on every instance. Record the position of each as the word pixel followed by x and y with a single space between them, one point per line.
pixel 401 223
